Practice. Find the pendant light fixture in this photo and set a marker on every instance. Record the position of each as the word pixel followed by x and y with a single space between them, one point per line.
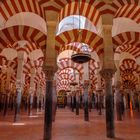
pixel 84 55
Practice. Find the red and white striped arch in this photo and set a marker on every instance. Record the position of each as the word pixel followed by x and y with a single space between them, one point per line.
pixel 131 38
pixel 28 48
pixel 93 40
pixel 58 5
pixel 75 46
pixel 130 11
pixel 32 64
pixel 16 33
pixel 90 9
pixel 8 63
pixel 93 80
pixel 63 87
pixel 117 5
pixel 40 77
pixel 129 64
pixel 65 76
pixel 131 78
pixel 63 84
pixel 93 65
pixel 9 8
pixel 135 51
pixel 68 63
pixel 27 81
pixel 12 64
pixel 27 66
pixel 3 77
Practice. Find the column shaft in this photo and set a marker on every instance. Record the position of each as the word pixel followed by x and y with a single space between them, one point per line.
pixel 48 111
pixel 31 91
pixel 86 111
pixel 109 109
pixel 107 75
pixel 19 84
pixel 48 102
pixel 17 105
pixel 54 98
pixel 77 103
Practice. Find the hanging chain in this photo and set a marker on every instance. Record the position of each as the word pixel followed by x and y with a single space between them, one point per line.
pixel 79 13
pixel 80 33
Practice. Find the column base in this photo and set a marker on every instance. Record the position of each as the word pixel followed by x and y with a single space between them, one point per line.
pixel 30 110
pixel 77 108
pixel 110 134
pixel 86 119
pixel 5 106
pixel 48 132
pixel 17 113
pixel 72 109
pixel 86 115
pixel 100 113
pixel 54 111
pixel 17 118
pixel 110 117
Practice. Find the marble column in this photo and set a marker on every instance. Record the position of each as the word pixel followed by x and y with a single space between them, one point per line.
pixel 72 102
pixel 72 98
pixel 117 76
pixel 19 84
pixel 77 90
pixel 100 101
pixel 31 90
pixel 86 111
pixel 49 68
pixel 2 86
pixel 85 88
pixel 7 89
pixel 77 102
pixel 118 101
pixel 117 94
pixel 107 74
pixel 42 98
pixel 38 95
pixel 48 103
pixel 54 105
pixel 99 92
pixel 2 93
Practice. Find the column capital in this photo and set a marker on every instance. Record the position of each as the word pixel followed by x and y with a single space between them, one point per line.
pixel 86 84
pixel 18 84
pixel 99 90
pixel 33 70
pixel 107 73
pixel 21 55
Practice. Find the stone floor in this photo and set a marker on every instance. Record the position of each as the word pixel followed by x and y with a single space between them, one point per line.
pixel 68 126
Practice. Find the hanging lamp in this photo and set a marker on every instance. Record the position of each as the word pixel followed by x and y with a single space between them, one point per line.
pixel 84 55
